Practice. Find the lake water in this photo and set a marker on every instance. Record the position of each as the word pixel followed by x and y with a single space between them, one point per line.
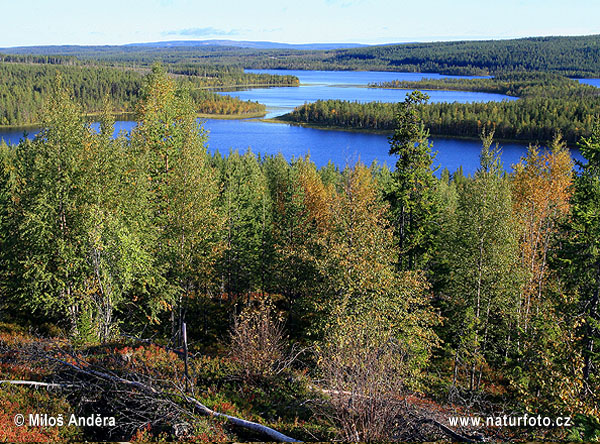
pixel 340 147
pixel 593 82
pixel 348 85
pixel 354 77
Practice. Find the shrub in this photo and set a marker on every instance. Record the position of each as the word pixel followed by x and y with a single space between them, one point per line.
pixel 258 343
pixel 366 372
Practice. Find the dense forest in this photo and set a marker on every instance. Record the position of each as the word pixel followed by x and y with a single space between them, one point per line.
pixel 517 84
pixel 570 56
pixel 532 120
pixel 548 102
pixel 25 86
pixel 201 298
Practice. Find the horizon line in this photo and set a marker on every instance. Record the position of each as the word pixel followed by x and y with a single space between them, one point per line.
pixel 402 42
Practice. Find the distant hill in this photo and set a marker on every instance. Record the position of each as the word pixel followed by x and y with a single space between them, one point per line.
pixel 182 44
pixel 250 44
pixel 577 56
pixel 571 56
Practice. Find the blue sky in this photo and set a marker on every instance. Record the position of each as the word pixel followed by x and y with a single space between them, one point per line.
pixel 44 22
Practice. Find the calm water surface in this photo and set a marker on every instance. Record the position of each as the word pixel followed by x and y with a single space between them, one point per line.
pixel 348 85
pixel 354 77
pixel 593 82
pixel 283 100
pixel 340 147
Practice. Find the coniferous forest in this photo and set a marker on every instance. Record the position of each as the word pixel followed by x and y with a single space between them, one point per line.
pixel 572 56
pixel 547 103
pixel 200 297
pixel 26 84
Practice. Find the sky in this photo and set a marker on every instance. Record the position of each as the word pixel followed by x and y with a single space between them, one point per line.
pixel 109 22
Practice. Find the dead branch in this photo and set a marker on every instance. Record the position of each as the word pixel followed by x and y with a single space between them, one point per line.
pixel 271 433
pixel 259 428
pixel 37 384
pixel 457 437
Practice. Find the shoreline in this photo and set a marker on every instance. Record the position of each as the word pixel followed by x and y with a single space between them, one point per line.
pixel 390 132
pixel 259 117
pixel 232 88
pixel 445 89
pixel 127 116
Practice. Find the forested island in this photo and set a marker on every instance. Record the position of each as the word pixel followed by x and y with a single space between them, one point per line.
pixel 199 297
pixel 547 103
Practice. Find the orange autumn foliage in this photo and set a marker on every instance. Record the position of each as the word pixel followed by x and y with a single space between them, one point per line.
pixel 541 192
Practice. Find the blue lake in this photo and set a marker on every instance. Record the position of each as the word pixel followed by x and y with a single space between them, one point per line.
pixel 355 77
pixel 340 147
pixel 348 85
pixel 593 82
pixel 282 100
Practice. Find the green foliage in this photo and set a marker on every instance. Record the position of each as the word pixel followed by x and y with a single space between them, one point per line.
pixel 573 56
pixel 26 87
pixel 586 429
pixel 182 190
pixel 377 323
pixel 412 191
pixel 516 84
pixel 101 234
pixel 50 243
pixel 482 258
pixel 365 291
pixel 75 245
pixel 548 102
pixel 580 256
pixel 246 205
pixel 299 216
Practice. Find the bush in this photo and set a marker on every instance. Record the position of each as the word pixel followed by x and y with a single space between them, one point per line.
pixel 364 370
pixel 258 344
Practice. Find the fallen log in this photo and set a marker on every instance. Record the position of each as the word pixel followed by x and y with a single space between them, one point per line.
pixel 271 433
pixel 36 383
pixel 249 425
pixel 457 437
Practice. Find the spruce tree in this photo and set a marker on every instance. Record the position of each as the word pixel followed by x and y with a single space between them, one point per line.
pixel 49 244
pixel 580 258
pixel 411 196
pixel 246 206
